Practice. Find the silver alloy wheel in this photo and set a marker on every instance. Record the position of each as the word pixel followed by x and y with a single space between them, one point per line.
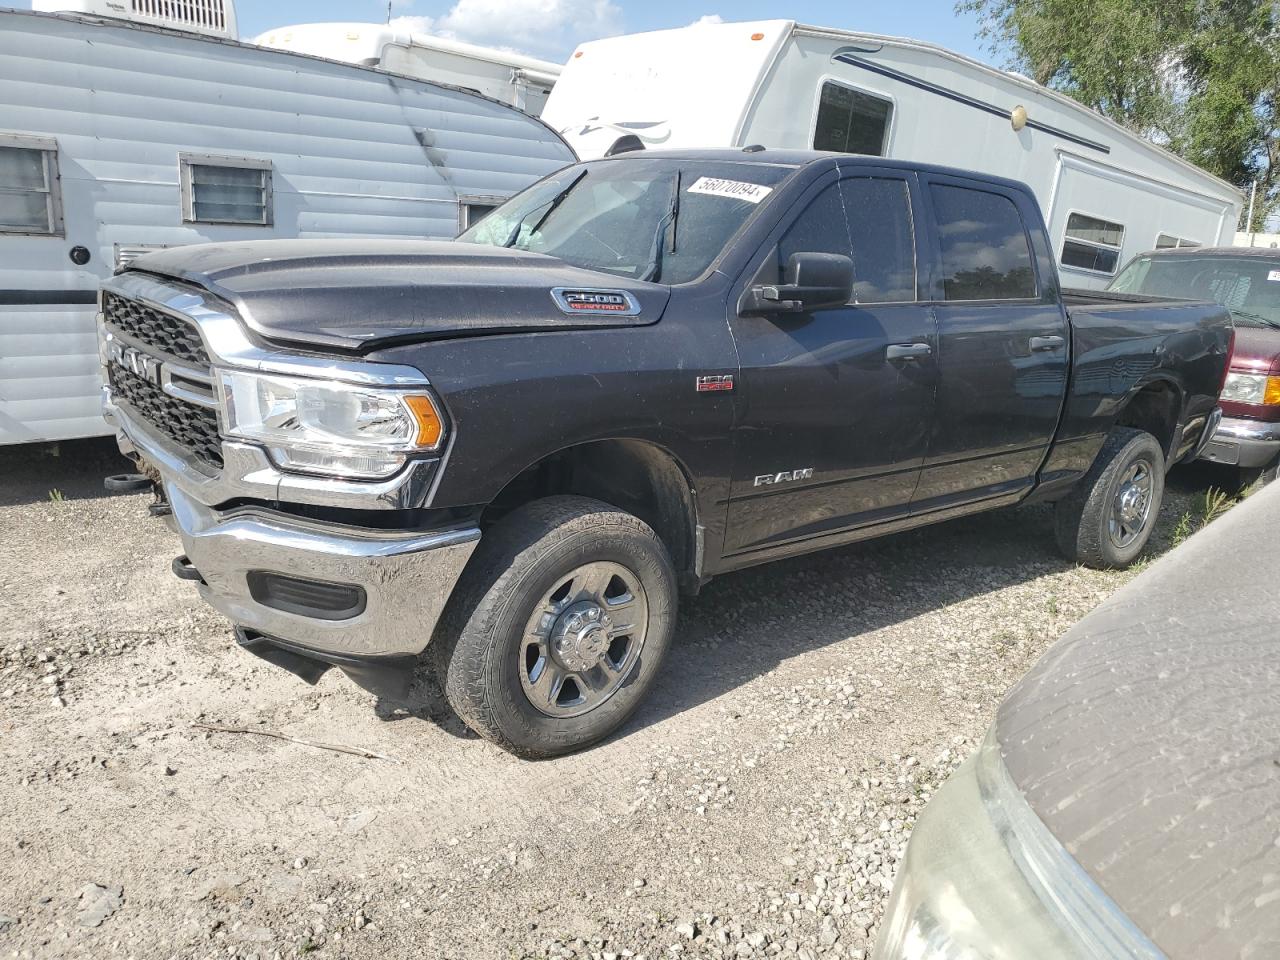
pixel 1131 508
pixel 583 639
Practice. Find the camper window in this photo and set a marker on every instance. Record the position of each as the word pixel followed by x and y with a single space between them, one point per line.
pixel 1166 242
pixel 29 202
pixel 850 121
pixel 1092 244
pixel 475 209
pixel 226 190
pixel 985 253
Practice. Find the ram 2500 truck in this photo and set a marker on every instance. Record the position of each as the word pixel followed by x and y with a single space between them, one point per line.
pixel 514 451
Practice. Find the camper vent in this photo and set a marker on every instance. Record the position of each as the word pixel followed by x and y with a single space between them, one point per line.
pixel 204 15
pixel 127 253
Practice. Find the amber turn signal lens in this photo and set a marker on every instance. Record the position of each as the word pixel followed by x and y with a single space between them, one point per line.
pixel 430 426
pixel 757 36
pixel 1272 397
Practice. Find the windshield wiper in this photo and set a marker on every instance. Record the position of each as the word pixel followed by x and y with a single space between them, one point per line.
pixel 653 269
pixel 551 208
pixel 1273 324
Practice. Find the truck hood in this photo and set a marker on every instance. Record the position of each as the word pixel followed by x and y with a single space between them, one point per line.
pixel 1148 741
pixel 358 295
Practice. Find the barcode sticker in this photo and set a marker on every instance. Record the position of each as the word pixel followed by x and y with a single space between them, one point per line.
pixel 733 189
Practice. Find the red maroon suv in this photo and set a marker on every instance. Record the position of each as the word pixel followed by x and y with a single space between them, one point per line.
pixel 1247 282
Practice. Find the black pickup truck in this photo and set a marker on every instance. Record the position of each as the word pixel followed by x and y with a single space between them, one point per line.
pixel 514 451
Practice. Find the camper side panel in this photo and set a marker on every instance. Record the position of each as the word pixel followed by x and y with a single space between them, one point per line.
pixel 160 138
pixel 913 102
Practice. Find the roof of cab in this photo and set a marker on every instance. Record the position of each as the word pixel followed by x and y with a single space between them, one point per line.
pixel 1262 253
pixel 799 158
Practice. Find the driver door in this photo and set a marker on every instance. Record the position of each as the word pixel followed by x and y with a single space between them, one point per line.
pixel 838 403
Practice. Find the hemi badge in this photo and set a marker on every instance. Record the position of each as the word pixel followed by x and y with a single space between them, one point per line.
pixel 716 384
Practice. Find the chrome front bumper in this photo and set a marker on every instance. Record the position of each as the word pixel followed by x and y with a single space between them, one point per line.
pixel 1244 443
pixel 407 578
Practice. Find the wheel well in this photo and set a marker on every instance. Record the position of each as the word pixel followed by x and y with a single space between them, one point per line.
pixel 632 475
pixel 1154 409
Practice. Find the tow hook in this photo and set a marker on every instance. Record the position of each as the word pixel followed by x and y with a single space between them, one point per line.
pixel 183 569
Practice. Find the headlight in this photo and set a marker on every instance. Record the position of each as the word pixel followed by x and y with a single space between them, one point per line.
pixel 1254 388
pixel 316 426
pixel 984 879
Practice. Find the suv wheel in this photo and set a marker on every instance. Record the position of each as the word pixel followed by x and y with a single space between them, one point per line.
pixel 1108 519
pixel 560 627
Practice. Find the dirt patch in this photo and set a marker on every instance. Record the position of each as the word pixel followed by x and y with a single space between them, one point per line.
pixel 757 805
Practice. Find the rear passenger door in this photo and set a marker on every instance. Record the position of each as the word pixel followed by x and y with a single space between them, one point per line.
pixel 1003 345
pixel 834 427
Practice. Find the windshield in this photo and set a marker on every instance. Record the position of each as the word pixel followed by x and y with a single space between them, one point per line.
pixel 1247 286
pixel 661 220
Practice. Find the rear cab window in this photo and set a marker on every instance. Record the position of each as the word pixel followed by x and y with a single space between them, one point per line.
pixel 986 253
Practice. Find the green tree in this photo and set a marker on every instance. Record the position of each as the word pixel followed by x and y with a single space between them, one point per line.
pixel 1200 77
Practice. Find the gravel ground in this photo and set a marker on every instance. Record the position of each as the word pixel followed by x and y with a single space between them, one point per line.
pixel 756 806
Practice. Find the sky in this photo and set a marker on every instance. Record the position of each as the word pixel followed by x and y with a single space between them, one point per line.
pixel 551 28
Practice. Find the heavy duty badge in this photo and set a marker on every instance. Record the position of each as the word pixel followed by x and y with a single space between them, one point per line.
pixel 598 302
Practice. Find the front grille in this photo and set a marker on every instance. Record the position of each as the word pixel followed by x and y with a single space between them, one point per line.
pixel 167 334
pixel 191 427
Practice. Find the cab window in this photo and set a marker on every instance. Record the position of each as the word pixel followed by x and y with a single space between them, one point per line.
pixel 867 219
pixel 985 251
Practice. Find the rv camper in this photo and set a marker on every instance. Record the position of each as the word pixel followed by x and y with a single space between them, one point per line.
pixel 1106 193
pixel 118 137
pixel 510 77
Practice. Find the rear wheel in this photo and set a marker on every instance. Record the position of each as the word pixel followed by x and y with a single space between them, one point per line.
pixel 561 626
pixel 1108 519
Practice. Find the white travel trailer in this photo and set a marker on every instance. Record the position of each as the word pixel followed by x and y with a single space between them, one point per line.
pixel 521 81
pixel 1106 193
pixel 119 137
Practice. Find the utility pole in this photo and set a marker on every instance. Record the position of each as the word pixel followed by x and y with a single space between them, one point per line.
pixel 1253 195
pixel 389 11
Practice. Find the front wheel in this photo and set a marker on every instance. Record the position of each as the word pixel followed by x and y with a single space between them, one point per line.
pixel 1108 519
pixel 565 615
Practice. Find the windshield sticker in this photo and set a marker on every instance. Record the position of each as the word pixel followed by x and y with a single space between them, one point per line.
pixel 1274 276
pixel 733 189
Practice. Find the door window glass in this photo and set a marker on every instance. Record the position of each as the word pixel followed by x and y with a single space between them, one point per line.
pixel 822 228
pixel 884 250
pixel 985 253
pixel 850 121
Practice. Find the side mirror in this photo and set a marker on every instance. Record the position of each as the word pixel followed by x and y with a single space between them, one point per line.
pixel 814 281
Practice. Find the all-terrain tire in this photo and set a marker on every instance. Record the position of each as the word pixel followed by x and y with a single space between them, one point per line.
pixel 478 647
pixel 1082 521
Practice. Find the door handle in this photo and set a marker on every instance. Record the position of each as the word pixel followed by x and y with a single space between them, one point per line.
pixel 907 351
pixel 1042 344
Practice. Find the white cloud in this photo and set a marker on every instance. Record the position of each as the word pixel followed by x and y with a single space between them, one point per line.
pixel 707 19
pixel 547 28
